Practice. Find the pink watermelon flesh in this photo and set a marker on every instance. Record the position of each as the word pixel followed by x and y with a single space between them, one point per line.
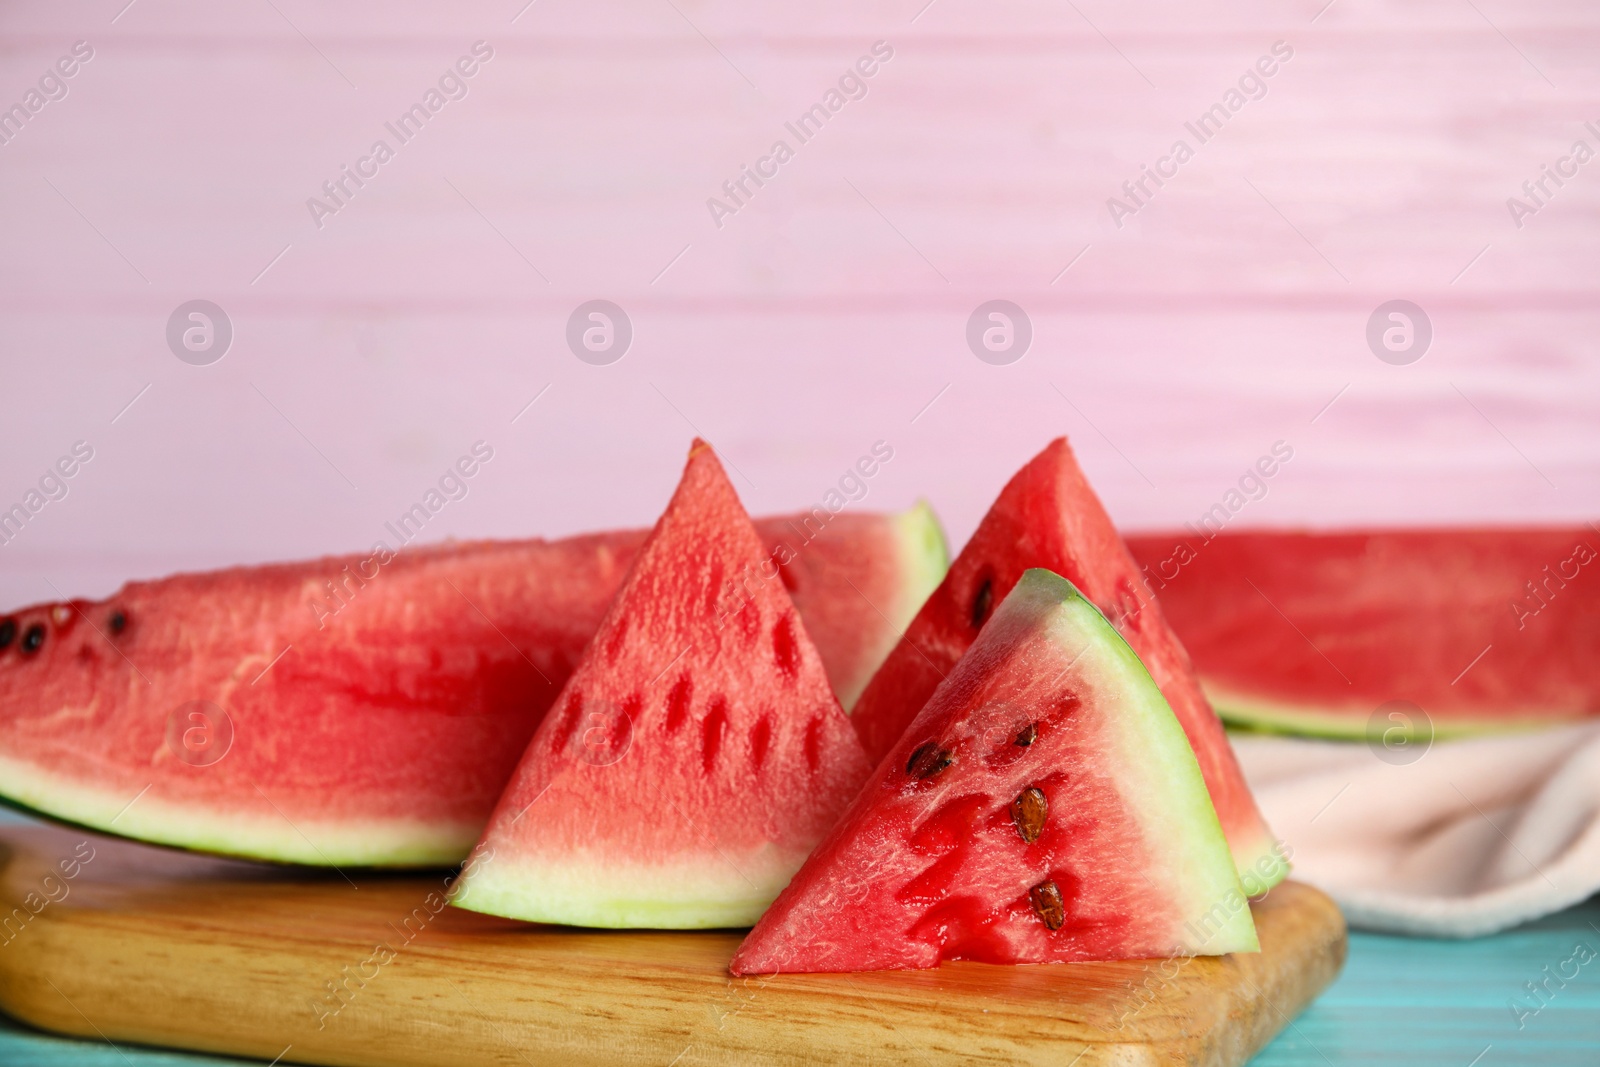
pixel 1481 629
pixel 1048 516
pixel 382 732
pixel 697 753
pixel 1043 807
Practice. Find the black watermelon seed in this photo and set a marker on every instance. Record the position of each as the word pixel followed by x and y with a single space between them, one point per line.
pixel 8 632
pixel 981 604
pixel 118 622
pixel 1028 735
pixel 928 760
pixel 33 638
pixel 918 754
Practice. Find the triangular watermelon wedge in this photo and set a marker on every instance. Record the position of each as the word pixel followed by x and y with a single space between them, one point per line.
pixel 695 756
pixel 1043 807
pixel 1048 516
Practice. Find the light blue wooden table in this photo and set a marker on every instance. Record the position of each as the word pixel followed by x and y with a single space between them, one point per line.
pixel 1399 1001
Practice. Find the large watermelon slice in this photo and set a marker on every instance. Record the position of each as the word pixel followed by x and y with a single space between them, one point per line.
pixel 697 755
pixel 367 709
pixel 1315 632
pixel 1048 516
pixel 1043 807
pixel 857 580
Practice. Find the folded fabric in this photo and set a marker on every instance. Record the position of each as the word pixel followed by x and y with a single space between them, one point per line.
pixel 1460 839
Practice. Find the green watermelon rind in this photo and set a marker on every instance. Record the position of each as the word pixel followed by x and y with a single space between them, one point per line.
pixel 926 560
pixel 927 553
pixel 1267 716
pixel 1156 761
pixel 393 843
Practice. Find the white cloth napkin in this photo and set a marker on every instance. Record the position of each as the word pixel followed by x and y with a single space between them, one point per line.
pixel 1473 837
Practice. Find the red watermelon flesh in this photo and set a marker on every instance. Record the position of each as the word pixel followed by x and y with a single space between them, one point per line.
pixel 1316 632
pixel 697 753
pixel 1048 516
pixel 265 712
pixel 1043 807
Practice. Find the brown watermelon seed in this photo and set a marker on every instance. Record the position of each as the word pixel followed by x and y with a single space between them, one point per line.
pixel 118 622
pixel 1048 905
pixel 8 633
pixel 1028 735
pixel 1028 811
pixel 981 603
pixel 928 760
pixel 33 638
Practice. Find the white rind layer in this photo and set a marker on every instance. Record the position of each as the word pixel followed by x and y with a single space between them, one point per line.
pixel 925 554
pixel 374 842
pixel 682 893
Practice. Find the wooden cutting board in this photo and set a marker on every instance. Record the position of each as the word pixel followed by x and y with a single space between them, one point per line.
pixel 145 945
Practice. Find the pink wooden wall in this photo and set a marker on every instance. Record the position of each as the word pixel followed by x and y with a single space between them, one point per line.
pixel 1221 317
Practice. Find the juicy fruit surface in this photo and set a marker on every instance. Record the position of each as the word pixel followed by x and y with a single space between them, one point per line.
pixel 363 712
pixel 1481 628
pixel 1043 807
pixel 696 754
pixel 1048 516
pixel 381 737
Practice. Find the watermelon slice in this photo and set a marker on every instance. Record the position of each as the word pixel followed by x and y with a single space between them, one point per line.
pixel 1048 516
pixel 858 581
pixel 1482 629
pixel 698 753
pixel 1043 807
pixel 367 709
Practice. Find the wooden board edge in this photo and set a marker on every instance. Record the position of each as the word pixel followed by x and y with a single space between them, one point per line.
pixel 43 984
